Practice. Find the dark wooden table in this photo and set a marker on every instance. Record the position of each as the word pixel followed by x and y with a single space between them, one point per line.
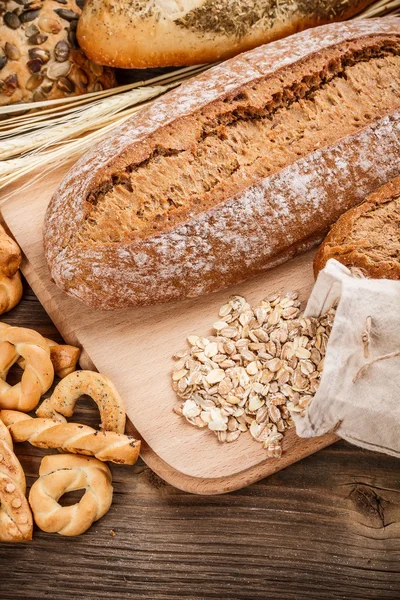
pixel 327 527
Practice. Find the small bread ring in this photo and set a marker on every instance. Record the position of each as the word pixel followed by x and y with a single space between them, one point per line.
pixel 62 473
pixel 71 437
pixel 98 387
pixel 38 374
pixel 16 523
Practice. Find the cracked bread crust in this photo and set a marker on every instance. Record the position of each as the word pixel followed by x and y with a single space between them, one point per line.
pixel 215 156
pixel 367 236
pixel 154 33
pixel 110 253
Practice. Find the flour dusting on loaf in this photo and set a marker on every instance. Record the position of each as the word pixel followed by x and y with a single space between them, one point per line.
pixel 266 222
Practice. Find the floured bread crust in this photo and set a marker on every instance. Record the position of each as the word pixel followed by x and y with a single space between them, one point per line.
pixel 234 172
pixel 367 236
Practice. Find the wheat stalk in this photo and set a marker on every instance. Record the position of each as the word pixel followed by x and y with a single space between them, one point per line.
pixel 95 116
pixel 29 163
pixel 43 139
pixel 50 132
pixel 179 74
pixel 379 9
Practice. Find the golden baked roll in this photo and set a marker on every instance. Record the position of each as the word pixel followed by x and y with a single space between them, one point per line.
pixel 38 372
pixel 154 33
pixel 103 392
pixel 367 236
pixel 39 55
pixel 10 292
pixel 10 278
pixel 72 437
pixel 63 473
pixel 10 254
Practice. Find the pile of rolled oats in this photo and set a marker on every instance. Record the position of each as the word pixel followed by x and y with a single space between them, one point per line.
pixel 259 365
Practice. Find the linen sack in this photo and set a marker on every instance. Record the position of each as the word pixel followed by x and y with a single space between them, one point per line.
pixel 359 393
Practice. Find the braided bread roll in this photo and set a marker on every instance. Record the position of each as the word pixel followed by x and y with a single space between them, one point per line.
pixel 71 437
pixel 62 473
pixel 38 374
pixel 16 523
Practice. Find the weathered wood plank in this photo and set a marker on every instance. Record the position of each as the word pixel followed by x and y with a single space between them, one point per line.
pixel 326 527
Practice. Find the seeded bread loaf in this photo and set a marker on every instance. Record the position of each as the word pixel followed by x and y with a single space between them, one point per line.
pixel 39 55
pixel 156 33
pixel 367 236
pixel 236 171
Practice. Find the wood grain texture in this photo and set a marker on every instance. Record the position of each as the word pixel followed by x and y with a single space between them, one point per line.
pixel 134 346
pixel 327 527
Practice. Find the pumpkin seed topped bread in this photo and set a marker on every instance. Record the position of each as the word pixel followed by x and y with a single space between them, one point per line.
pixel 367 236
pixel 39 54
pixel 157 33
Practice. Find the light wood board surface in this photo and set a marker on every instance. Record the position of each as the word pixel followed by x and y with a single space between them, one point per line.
pixel 327 527
pixel 134 347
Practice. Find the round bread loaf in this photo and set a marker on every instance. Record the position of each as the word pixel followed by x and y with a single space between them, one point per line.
pixel 39 55
pixel 367 236
pixel 158 33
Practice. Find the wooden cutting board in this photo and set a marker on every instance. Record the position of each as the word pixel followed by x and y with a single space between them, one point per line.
pixel 134 347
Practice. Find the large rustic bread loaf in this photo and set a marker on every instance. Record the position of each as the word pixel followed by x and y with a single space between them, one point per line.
pixel 154 33
pixel 367 236
pixel 234 172
pixel 39 55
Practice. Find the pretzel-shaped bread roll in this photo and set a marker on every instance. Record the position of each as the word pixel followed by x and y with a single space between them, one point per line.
pixel 15 516
pixel 62 473
pixel 98 387
pixel 71 437
pixel 38 374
